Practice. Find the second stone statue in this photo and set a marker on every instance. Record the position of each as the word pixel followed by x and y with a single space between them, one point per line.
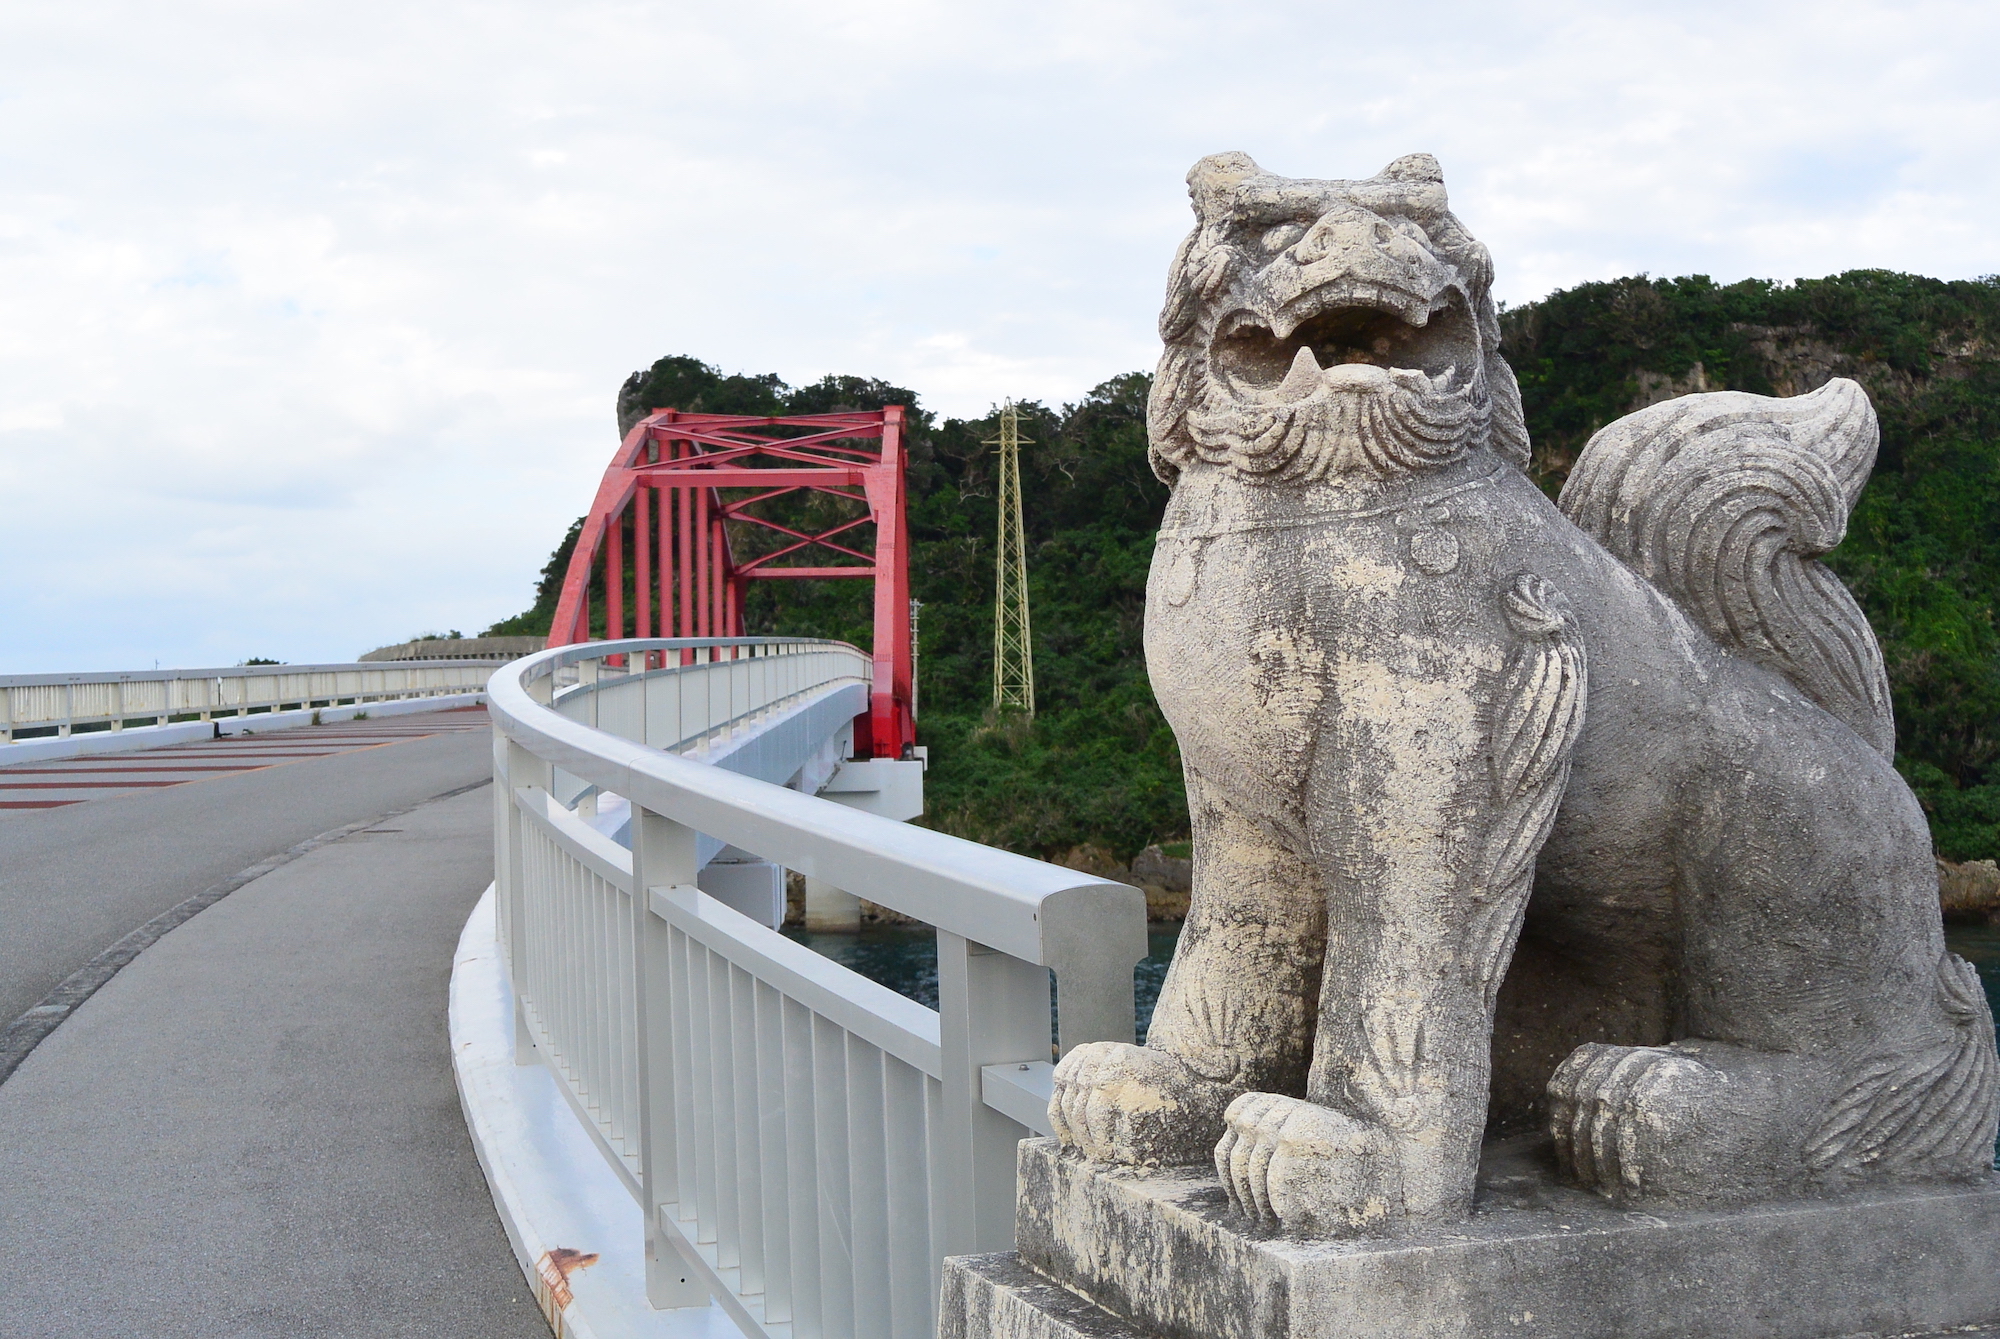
pixel 1510 815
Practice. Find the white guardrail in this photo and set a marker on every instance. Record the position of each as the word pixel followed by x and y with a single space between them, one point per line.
pixel 39 702
pixel 808 1143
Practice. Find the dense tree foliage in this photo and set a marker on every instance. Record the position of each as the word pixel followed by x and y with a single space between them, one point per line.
pixel 1098 764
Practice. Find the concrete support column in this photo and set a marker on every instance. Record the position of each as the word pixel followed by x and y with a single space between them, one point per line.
pixel 828 908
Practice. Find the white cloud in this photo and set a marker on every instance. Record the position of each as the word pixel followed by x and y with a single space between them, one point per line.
pixel 311 317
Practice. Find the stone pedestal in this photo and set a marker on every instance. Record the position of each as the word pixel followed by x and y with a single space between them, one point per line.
pixel 1121 1254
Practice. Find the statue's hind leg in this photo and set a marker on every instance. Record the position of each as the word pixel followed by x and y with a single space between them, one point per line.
pixel 1827 1035
pixel 1234 1014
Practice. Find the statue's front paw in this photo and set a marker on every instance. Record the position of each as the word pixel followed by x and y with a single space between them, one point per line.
pixel 1307 1169
pixel 1135 1105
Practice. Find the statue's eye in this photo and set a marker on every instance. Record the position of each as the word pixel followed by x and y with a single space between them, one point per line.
pixel 1282 236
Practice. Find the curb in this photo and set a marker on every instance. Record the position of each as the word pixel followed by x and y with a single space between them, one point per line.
pixel 289 720
pixel 139 738
pixel 134 740
pixel 556 1196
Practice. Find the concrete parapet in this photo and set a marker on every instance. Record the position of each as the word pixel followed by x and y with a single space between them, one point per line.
pixel 292 720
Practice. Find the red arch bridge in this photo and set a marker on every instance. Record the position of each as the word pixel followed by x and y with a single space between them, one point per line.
pixel 695 507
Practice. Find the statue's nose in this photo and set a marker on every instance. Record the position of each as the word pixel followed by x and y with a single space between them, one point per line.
pixel 1348 230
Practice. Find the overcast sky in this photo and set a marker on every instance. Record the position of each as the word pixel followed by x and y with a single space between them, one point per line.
pixel 312 316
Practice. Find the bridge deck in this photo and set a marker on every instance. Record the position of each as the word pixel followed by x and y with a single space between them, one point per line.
pixel 252 1129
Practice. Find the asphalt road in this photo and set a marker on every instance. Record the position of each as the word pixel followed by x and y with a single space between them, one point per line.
pixel 75 879
pixel 252 1130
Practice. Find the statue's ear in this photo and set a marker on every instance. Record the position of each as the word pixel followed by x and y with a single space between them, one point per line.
pixel 1413 167
pixel 1212 182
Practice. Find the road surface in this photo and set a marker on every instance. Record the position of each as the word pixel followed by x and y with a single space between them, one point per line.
pixel 252 1129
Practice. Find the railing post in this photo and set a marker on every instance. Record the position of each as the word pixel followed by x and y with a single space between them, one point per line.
pixel 663 856
pixel 588 672
pixel 992 1009
pixel 522 770
pixel 506 875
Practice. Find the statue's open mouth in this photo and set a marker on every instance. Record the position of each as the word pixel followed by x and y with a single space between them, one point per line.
pixel 1340 325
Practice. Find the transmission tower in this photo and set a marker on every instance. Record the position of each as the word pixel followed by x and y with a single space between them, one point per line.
pixel 1013 650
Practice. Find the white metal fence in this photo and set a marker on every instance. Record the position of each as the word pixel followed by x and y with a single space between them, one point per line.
pixel 807 1143
pixel 38 702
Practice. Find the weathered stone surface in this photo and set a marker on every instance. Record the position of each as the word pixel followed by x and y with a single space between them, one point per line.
pixel 1510 815
pixel 1163 1252
pixel 998 1297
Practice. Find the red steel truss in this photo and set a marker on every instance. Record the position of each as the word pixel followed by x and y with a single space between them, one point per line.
pixel 668 476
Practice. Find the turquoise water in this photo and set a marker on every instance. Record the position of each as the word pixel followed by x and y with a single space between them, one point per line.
pixel 904 958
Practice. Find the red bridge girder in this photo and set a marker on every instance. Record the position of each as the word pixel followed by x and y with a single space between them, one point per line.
pixel 686 578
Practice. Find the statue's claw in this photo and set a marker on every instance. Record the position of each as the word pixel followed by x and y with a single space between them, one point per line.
pixel 1307 1169
pixel 1616 1111
pixel 1697 1120
pixel 1135 1105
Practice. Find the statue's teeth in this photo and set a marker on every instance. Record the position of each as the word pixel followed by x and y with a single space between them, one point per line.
pixel 1304 378
pixel 1442 381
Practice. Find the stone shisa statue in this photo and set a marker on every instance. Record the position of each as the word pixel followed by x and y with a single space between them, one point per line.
pixel 1566 829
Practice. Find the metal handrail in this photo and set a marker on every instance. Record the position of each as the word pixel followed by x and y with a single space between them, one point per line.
pixel 671 1013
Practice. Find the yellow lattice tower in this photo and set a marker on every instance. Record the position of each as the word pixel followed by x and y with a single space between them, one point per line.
pixel 1013 650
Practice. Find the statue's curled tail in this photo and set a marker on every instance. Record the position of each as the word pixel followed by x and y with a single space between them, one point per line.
pixel 1724 502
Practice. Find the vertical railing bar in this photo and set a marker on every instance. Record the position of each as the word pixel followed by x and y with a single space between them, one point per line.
pixel 618 917
pixel 663 856
pixel 702 1020
pixel 562 942
pixel 722 1097
pixel 868 1187
pixel 556 988
pixel 803 1209
pixel 748 1124
pixel 581 971
pixel 836 1246
pixel 555 1007
pixel 625 1016
pixel 937 1147
pixel 611 900
pixel 590 916
pixel 772 1119
pixel 607 986
pixel 579 978
pixel 685 1069
pixel 911 1301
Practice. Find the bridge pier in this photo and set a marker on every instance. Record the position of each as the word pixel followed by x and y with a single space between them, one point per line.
pixel 828 908
pixel 884 786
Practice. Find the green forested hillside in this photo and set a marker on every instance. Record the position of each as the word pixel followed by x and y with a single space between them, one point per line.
pixel 1098 763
